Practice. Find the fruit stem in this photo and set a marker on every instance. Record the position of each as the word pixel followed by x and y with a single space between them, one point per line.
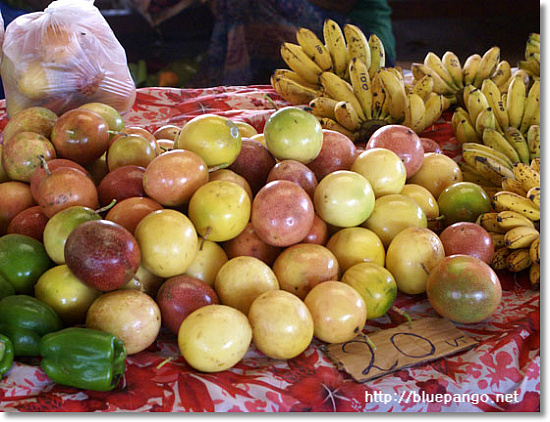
pixel 165 361
pixel 370 342
pixel 106 207
pixel 403 314
pixel 205 237
pixel 218 167
pixel 270 100
pixel 44 165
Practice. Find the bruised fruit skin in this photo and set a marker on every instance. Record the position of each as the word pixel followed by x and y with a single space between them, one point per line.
pixel 464 289
pixel 102 254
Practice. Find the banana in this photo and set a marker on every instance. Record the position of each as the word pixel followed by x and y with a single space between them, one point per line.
pixel 497 165
pixel 484 150
pixel 515 101
pixel 290 74
pixel 535 164
pixel 465 132
pixel 314 48
pixel 433 61
pixel 532 106
pixel 488 221
pixel 485 120
pixel 453 66
pixel 520 237
pixel 377 55
pixel 518 203
pixel 534 275
pixel 295 57
pixel 398 73
pixel 466 94
pixel 440 86
pixel 360 82
pixel 335 43
pixel 518 260
pixel 489 169
pixel 331 124
pixel 458 115
pixel 323 106
pixel 518 141
pixel 534 36
pixel 531 65
pixel 414 113
pixel 471 175
pixel 512 185
pixel 470 68
pixel 292 92
pixel 509 219
pixel 494 99
pixel 358 44
pixel 395 92
pixel 534 251
pixel 498 261
pixel 476 103
pixel 534 195
pixel 340 90
pixel 434 108
pixel 494 139
pixel 502 75
pixel 498 240
pixel 533 142
pixel 486 66
pixel 346 115
pixel 378 96
pixel 528 177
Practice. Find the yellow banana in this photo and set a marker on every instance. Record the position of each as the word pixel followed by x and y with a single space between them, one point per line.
pixel 290 74
pixel 292 92
pixel 314 48
pixel 532 106
pixel 498 239
pixel 498 261
pixel 533 141
pixel 485 120
pixel 487 66
pixel 346 115
pixel 534 36
pixel 440 86
pixel 377 55
pixel 515 101
pixel 488 221
pixel 534 251
pixel 458 115
pixel 470 68
pixel 482 166
pixel 339 89
pixel 535 164
pixel 466 94
pixel 433 61
pixel 453 66
pixel 520 237
pixel 502 75
pixel 434 108
pixel 534 275
pixel 512 185
pixel 360 82
pixel 534 195
pixel 295 57
pixel 518 141
pixel 476 103
pixel 466 132
pixel 494 139
pixel 358 44
pixel 395 92
pixel 471 176
pixel 484 150
pixel 414 113
pixel 518 260
pixel 527 176
pixel 424 87
pixel 518 203
pixel 509 219
pixel 331 124
pixel 494 99
pixel 335 43
pixel 378 96
pixel 323 106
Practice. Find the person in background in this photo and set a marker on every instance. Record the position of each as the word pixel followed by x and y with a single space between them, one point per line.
pixel 247 34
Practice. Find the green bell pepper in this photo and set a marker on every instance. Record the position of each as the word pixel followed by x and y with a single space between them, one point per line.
pixel 6 354
pixel 83 358
pixel 24 320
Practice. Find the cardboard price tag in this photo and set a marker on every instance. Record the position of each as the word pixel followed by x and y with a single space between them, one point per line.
pixel 400 347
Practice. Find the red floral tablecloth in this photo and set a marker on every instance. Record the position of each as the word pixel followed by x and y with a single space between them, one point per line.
pixel 506 360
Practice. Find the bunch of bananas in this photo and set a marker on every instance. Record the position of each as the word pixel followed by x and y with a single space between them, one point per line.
pixel 515 224
pixel 532 56
pixel 345 83
pixel 450 77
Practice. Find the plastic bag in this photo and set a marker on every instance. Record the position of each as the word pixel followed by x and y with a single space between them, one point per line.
pixel 64 57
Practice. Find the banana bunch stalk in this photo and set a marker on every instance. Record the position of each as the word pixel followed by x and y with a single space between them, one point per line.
pixel 451 77
pixel 346 85
pixel 514 226
pixel 532 56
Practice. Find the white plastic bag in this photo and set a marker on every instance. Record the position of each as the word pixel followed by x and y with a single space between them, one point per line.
pixel 64 57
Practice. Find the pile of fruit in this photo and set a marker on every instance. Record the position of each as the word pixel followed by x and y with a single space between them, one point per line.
pixel 227 237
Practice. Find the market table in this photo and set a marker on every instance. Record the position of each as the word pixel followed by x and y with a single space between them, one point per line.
pixel 500 373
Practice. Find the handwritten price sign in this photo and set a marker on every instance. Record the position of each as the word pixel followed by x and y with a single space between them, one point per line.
pixel 400 347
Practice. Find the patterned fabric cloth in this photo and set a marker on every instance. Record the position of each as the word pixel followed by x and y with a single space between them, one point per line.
pixel 505 362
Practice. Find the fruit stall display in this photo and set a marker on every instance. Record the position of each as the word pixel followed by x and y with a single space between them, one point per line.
pixel 213 249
